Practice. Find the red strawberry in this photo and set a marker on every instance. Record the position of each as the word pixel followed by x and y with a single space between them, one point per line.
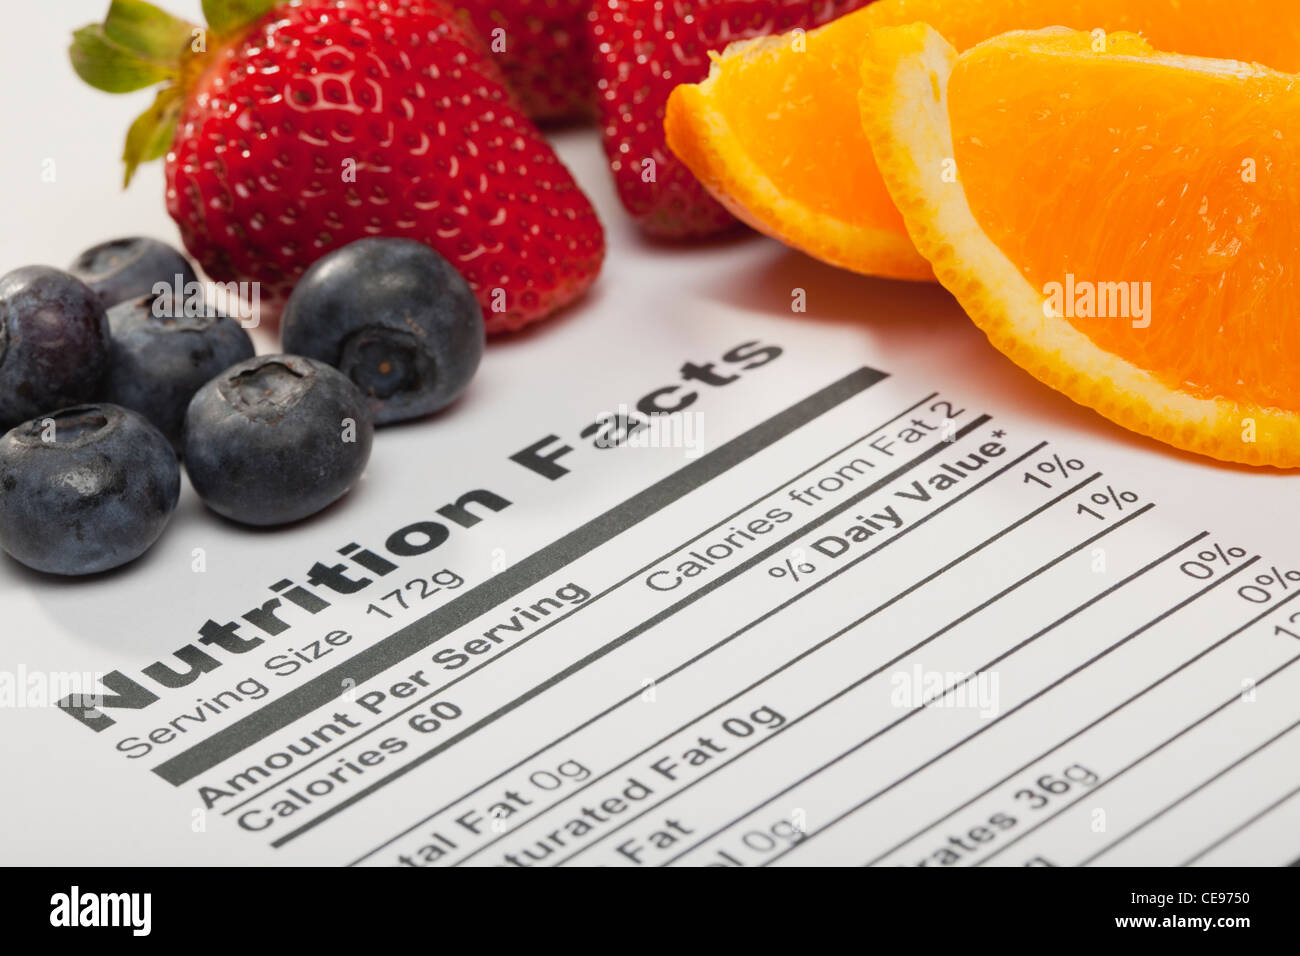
pixel 644 48
pixel 542 48
pixel 319 122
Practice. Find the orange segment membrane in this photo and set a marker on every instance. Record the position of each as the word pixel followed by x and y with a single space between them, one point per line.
pixel 795 115
pixel 1158 178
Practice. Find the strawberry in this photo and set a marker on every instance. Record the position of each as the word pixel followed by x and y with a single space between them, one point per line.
pixel 643 48
pixel 291 129
pixel 542 46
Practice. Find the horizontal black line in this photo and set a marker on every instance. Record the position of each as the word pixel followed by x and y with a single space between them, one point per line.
pixel 420 634
pixel 1082 730
pixel 875 671
pixel 1183 798
pixel 1074 672
pixel 639 629
pixel 515 766
pixel 792 661
pixel 1150 753
pixel 912 713
pixel 1254 818
pixel 551 622
pixel 1068 675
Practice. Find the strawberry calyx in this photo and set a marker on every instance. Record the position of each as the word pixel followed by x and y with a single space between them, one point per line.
pixel 139 46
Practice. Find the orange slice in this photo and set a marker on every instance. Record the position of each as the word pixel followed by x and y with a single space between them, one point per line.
pixel 1121 223
pixel 773 131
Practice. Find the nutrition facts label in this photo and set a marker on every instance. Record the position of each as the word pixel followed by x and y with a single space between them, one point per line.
pixel 880 627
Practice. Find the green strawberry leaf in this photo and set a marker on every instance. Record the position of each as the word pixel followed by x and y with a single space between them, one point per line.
pixel 226 16
pixel 144 29
pixel 112 68
pixel 152 132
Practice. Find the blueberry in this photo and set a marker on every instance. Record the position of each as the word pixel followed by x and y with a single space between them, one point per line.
pixel 160 360
pixel 85 489
pixel 123 269
pixel 276 438
pixel 393 316
pixel 53 343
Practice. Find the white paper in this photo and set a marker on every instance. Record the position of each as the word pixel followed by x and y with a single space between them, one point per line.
pixel 936 613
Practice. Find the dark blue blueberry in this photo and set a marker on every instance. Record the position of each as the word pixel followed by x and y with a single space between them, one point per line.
pixel 276 438
pixel 123 269
pixel 393 316
pixel 160 360
pixel 53 343
pixel 85 489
